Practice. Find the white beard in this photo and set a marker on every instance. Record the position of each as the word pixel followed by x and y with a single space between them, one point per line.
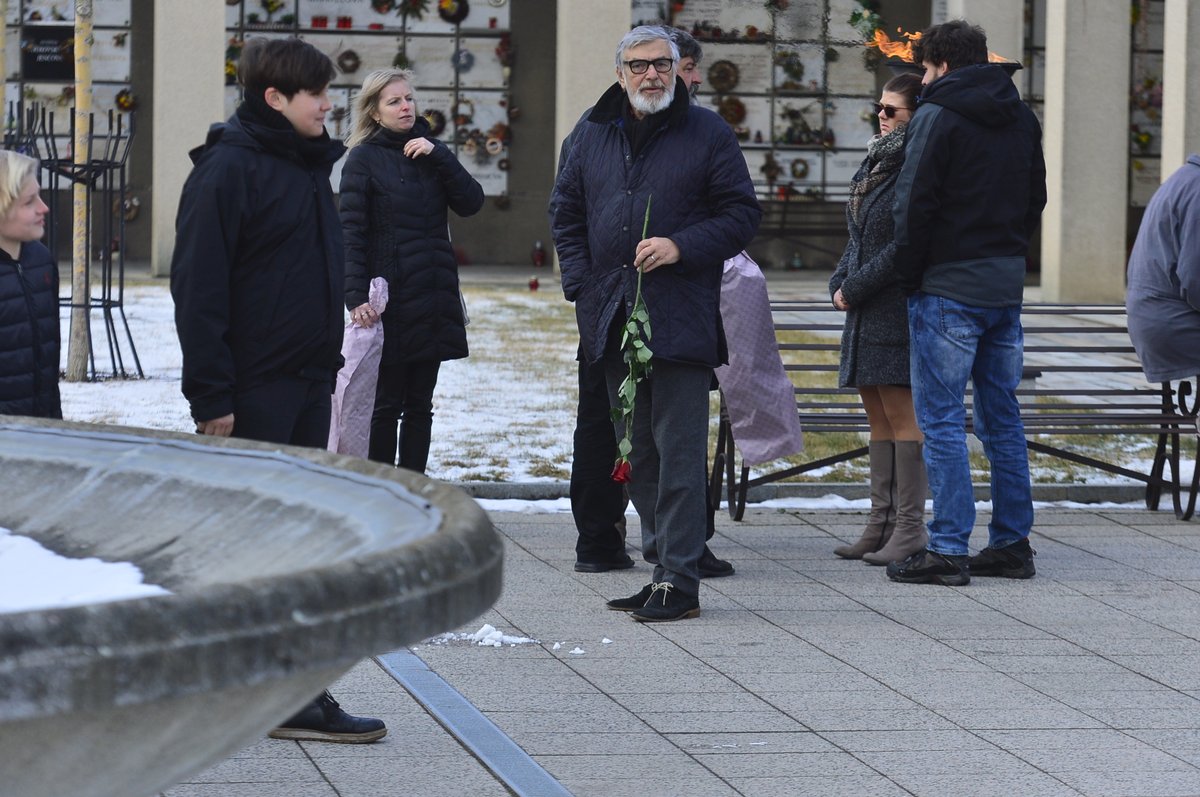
pixel 643 104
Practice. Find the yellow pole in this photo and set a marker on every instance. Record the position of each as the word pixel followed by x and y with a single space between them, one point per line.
pixel 79 344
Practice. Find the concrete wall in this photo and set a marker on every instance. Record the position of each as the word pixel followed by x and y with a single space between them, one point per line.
pixel 506 235
pixel 189 84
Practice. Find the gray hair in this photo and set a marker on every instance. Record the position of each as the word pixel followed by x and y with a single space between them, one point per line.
pixel 644 34
pixel 687 44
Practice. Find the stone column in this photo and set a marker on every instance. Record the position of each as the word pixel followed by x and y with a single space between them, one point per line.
pixel 1087 151
pixel 587 36
pixel 1181 85
pixel 1004 21
pixel 189 96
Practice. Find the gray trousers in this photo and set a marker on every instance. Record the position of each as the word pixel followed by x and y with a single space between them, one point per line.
pixel 668 479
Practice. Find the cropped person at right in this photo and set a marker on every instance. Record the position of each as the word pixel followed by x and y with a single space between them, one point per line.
pixel 1163 298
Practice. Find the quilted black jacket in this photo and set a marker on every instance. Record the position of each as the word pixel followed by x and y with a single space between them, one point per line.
pixel 29 333
pixel 694 175
pixel 394 212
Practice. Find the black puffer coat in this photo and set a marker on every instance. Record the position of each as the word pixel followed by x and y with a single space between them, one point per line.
pixel 29 333
pixel 703 201
pixel 394 213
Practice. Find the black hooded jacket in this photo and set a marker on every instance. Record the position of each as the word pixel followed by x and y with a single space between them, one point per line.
pixel 394 211
pixel 971 190
pixel 29 343
pixel 257 270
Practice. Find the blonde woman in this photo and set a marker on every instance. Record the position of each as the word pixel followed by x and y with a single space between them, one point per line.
pixel 29 338
pixel 397 185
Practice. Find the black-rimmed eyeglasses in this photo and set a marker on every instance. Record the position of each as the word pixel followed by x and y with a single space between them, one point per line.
pixel 888 110
pixel 638 66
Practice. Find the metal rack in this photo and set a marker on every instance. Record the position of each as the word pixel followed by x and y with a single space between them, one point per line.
pixel 104 173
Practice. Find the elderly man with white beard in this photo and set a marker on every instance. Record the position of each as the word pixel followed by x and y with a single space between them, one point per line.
pixel 644 141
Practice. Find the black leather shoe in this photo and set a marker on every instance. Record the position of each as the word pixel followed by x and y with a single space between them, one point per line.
pixel 927 567
pixel 1011 561
pixel 622 562
pixel 667 604
pixel 712 567
pixel 632 603
pixel 323 720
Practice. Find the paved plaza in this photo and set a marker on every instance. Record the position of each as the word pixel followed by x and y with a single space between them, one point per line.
pixel 804 675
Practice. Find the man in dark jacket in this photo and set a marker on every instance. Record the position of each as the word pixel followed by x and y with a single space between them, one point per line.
pixel 257 281
pixel 597 502
pixel 968 199
pixel 643 140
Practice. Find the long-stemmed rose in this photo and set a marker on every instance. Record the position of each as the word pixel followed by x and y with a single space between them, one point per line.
pixel 637 355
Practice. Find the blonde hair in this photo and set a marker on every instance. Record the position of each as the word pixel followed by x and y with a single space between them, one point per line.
pixel 15 169
pixel 367 100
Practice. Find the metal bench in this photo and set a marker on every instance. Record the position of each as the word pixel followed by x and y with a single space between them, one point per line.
pixel 1081 377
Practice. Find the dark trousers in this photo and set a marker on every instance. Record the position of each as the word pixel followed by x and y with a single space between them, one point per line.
pixel 291 410
pixel 402 423
pixel 597 502
pixel 668 482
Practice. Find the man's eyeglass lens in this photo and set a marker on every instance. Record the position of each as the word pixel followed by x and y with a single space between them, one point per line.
pixel 639 66
pixel 888 110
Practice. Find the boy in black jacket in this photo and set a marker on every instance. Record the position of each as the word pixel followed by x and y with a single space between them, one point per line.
pixel 257 281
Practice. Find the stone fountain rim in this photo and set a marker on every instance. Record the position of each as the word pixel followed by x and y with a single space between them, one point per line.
pixel 43 650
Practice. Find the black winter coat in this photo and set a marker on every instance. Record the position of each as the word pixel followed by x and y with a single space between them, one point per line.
pixel 29 333
pixel 703 201
pixel 257 270
pixel 971 191
pixel 394 213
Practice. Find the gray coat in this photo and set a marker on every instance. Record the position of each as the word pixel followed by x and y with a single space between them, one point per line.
pixel 875 337
pixel 1163 298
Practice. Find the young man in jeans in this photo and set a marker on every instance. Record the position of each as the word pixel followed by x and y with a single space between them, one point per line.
pixel 257 279
pixel 968 199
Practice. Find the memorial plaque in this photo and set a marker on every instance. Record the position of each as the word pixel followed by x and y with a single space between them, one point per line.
pixel 355 55
pixel 1144 180
pixel 110 55
pixel 48 52
pixel 431 59
pixel 848 73
pixel 485 70
pixel 107 13
pixel 751 68
pixel 345 15
pixel 801 21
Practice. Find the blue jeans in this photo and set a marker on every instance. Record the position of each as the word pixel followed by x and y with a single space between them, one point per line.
pixel 952 342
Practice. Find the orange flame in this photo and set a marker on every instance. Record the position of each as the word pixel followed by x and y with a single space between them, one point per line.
pixel 904 49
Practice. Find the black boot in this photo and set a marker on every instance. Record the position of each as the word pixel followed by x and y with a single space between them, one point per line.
pixel 1011 561
pixel 323 720
pixel 632 603
pixel 667 604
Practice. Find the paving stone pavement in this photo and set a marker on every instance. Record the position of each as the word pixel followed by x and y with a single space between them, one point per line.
pixel 804 675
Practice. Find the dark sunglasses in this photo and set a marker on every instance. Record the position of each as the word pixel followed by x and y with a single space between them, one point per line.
pixel 639 66
pixel 888 110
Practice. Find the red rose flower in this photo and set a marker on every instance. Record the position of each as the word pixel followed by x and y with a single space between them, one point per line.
pixel 621 471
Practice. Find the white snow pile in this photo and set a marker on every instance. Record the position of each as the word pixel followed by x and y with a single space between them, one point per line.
pixel 488 637
pixel 33 577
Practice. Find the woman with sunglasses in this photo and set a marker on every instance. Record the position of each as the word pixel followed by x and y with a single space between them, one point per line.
pixel 875 340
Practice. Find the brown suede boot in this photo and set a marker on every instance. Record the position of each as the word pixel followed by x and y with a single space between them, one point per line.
pixel 881 454
pixel 911 488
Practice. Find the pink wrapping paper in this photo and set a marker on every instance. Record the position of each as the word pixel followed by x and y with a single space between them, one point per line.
pixel 758 394
pixel 354 396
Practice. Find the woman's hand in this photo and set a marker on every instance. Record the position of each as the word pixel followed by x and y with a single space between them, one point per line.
pixel 364 316
pixel 418 147
pixel 839 301
pixel 654 252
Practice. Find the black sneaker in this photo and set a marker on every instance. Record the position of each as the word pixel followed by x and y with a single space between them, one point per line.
pixel 1011 561
pixel 323 720
pixel 632 603
pixel 667 604
pixel 927 567
pixel 621 562
pixel 712 567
